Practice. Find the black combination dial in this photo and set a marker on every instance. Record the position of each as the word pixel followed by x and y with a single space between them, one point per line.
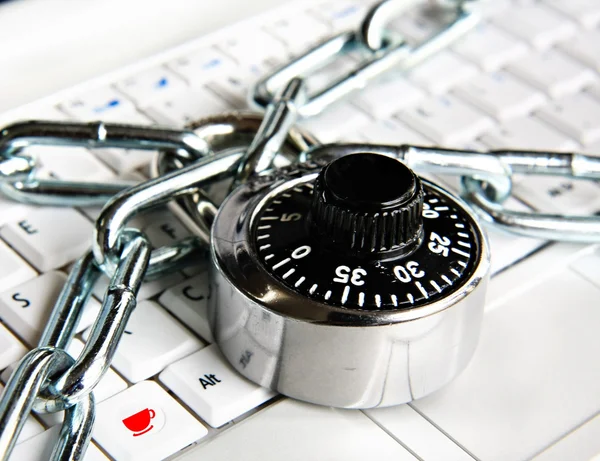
pixel 367 234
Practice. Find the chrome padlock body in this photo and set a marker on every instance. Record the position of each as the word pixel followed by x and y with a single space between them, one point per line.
pixel 322 353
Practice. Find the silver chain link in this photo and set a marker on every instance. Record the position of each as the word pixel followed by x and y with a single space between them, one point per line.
pixel 237 147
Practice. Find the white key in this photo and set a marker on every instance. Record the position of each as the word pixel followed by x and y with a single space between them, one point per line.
pixel 297 431
pixel 147 290
pixel 151 84
pixel 203 65
pixel 540 26
pixel 125 160
pixel 13 269
pixel 562 195
pixel 416 23
pixel 212 388
pixel 489 47
pixel 446 120
pixel 182 108
pixel 188 302
pixel 534 375
pixel 11 348
pixel 382 98
pixel 507 249
pixel 441 72
pixel 330 73
pixel 30 429
pixel 586 12
pixel 587 266
pixel 417 434
pixel 552 72
pixel 299 31
pixel 70 163
pixel 103 103
pixel 144 423
pixel 11 210
pixel 340 15
pixel 393 132
pixel 326 126
pixel 165 231
pixel 583 443
pixel 50 237
pixel 39 448
pixel 33 112
pixel 152 340
pixel 527 133
pixel 234 88
pixel 261 53
pixel 500 95
pixel 577 115
pixel 26 307
pixel 584 47
pixel 110 384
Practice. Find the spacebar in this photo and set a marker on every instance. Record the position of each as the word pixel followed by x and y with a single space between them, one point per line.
pixel 293 430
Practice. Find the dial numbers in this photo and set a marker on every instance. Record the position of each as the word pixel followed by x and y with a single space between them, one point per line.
pixel 290 252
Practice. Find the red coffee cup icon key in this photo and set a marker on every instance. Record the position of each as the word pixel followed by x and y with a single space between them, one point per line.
pixel 139 423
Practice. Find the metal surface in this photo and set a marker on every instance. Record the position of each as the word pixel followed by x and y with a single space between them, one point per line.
pixel 381 53
pixel 325 354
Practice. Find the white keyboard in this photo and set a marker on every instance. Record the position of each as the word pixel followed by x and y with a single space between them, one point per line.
pixel 527 77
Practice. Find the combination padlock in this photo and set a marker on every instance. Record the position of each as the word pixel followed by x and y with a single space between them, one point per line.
pixel 356 284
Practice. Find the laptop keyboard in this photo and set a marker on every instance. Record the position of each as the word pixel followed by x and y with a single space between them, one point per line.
pixel 527 77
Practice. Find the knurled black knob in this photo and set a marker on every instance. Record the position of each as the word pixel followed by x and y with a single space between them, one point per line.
pixel 368 204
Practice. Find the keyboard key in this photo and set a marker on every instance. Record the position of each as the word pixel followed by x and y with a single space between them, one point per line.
pixel 234 88
pixel 326 126
pixel 380 99
pixel 166 230
pixel 500 95
pixel 534 375
pixel 125 160
pixel 50 237
pixel 188 302
pixel 527 133
pixel 552 194
pixel 577 115
pixel 105 104
pixel 212 388
pixel 261 53
pixel 587 266
pixel 152 340
pixel 11 348
pixel 586 12
pixel 299 431
pixel 446 120
pixel 584 47
pixel 31 428
pixel 151 84
pixel 203 65
pixel 417 434
pixel 340 15
pixel 70 163
pixel 39 448
pixel 299 32
pixel 180 109
pixel 540 26
pixel 144 423
pixel 393 132
pixel 26 307
pixel 583 443
pixel 13 269
pixel 552 72
pixel 11 210
pixel 489 47
pixel 507 249
pixel 441 72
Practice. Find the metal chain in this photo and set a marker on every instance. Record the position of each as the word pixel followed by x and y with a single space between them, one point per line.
pixel 48 380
